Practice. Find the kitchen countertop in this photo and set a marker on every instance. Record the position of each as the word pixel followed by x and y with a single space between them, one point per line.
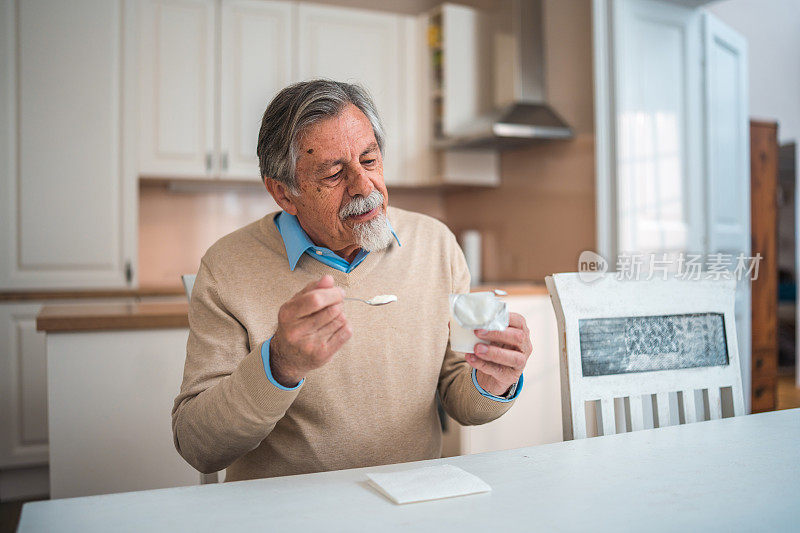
pixel 514 288
pixel 81 294
pixel 156 315
pixel 116 316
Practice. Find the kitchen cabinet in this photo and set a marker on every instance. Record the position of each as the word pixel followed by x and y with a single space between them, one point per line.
pixel 23 399
pixel 176 58
pixel 256 39
pixel 201 102
pixel 192 127
pixel 114 435
pixel 24 414
pixel 458 92
pixel 67 189
pixel 23 387
pixel 672 142
pixel 365 47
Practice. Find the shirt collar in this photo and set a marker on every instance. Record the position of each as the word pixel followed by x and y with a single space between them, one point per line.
pixel 296 240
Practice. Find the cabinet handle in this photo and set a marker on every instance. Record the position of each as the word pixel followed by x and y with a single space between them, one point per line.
pixel 209 161
pixel 224 161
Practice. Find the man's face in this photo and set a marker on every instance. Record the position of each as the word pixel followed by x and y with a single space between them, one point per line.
pixel 338 160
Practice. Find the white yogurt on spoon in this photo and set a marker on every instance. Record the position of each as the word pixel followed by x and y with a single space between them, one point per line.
pixel 382 299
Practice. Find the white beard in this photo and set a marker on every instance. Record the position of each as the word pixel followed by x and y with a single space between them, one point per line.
pixel 374 234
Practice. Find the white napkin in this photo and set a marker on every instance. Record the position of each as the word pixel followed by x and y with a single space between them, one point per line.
pixel 427 483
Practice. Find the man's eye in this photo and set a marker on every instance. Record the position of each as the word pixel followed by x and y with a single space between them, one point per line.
pixel 368 162
pixel 334 177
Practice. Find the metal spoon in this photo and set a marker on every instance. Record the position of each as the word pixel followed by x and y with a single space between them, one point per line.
pixel 381 299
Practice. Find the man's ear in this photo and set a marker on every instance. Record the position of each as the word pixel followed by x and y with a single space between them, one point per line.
pixel 280 192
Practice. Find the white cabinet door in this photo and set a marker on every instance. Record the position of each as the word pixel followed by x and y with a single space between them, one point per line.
pixel 257 41
pixel 114 435
pixel 658 105
pixel 67 217
pixel 364 47
pixel 727 146
pixel 23 387
pixel 176 83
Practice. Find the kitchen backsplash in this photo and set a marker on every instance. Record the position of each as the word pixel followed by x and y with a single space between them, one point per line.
pixel 178 224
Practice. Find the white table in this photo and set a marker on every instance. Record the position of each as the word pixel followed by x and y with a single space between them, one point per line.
pixel 735 474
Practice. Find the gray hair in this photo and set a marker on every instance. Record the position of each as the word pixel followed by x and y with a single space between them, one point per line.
pixel 297 107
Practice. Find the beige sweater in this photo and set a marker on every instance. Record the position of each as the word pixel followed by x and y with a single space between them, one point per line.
pixel 373 403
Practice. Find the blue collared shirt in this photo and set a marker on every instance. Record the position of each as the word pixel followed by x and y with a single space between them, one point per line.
pixel 297 243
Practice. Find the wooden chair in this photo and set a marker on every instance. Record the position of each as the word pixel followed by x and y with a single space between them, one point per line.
pixel 644 354
pixel 188 285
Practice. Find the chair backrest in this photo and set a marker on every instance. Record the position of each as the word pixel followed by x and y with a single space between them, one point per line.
pixel 188 284
pixel 644 354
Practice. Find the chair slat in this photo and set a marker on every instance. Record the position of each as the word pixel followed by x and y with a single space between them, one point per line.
pixel 689 406
pixel 609 421
pixel 580 423
pixel 662 404
pixel 714 403
pixel 637 417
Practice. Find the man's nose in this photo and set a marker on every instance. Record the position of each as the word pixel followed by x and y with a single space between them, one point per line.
pixel 359 183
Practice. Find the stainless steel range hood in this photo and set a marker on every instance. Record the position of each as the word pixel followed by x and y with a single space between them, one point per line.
pixel 529 118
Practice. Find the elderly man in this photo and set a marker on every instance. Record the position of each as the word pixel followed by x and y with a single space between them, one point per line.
pixel 282 375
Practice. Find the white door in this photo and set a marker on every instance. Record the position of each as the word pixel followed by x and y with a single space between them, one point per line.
pixel 23 387
pixel 257 44
pixel 67 217
pixel 364 47
pixel 176 84
pixel 658 99
pixel 727 144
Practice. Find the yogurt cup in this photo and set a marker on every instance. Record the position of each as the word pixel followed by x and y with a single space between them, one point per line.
pixel 477 310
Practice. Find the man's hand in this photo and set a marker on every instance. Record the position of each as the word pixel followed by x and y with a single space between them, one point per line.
pixel 500 364
pixel 311 328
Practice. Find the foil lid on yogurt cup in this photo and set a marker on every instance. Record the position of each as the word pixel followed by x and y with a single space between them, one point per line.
pixel 479 310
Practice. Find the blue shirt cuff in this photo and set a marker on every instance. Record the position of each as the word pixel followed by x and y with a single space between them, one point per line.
pixel 268 370
pixel 515 389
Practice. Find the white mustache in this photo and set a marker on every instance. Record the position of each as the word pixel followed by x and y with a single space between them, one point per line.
pixel 360 205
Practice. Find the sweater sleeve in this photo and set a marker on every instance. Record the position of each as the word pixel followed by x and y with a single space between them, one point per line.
pixel 226 405
pixel 460 396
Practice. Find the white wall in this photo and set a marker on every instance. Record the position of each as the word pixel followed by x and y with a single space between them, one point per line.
pixel 772 30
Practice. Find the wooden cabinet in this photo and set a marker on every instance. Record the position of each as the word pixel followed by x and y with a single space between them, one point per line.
pixel 68 213
pixel 764 215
